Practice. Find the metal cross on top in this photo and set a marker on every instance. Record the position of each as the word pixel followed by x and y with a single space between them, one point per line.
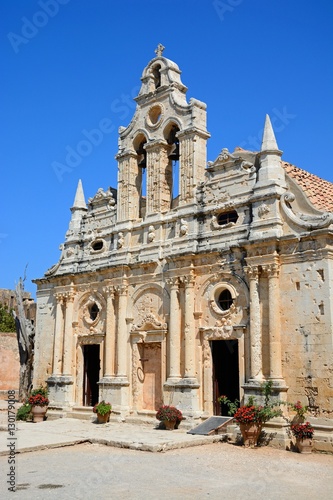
pixel 159 50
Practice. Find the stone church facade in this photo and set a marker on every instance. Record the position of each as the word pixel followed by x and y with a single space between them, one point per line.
pixel 192 279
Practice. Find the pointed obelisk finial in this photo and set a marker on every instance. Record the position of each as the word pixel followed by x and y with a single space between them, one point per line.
pixel 79 201
pixel 268 138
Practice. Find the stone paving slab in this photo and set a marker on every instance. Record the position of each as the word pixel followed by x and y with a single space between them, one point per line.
pixel 68 431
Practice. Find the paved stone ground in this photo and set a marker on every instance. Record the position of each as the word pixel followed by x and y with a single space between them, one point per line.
pixel 215 471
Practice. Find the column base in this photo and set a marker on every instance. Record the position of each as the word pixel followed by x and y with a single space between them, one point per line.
pixel 61 390
pixel 254 388
pixel 184 394
pixel 115 390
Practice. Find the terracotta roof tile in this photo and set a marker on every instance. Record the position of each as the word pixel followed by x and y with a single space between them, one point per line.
pixel 319 191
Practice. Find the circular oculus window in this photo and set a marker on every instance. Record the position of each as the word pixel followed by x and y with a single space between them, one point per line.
pixel 154 116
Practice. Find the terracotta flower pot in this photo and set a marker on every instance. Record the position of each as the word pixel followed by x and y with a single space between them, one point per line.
pixel 103 419
pixel 304 445
pixel 169 424
pixel 250 434
pixel 38 413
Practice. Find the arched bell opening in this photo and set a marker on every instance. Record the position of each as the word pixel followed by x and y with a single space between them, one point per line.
pixel 141 179
pixel 172 171
pixel 156 72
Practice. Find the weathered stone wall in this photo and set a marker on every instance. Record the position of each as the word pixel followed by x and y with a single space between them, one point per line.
pixel 9 364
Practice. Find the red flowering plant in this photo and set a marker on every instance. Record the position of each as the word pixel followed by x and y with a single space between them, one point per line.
pixel 38 397
pixel 302 431
pixel 170 413
pixel 102 408
pixel 251 412
pixel 299 409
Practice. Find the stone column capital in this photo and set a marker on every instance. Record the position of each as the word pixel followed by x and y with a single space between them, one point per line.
pixel 109 291
pixel 172 282
pixel 272 270
pixel 252 272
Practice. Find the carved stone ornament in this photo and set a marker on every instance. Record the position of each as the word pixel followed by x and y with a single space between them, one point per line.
pixel 103 197
pixel 120 242
pixel 147 323
pixel 95 338
pixel 304 221
pixel 183 228
pixel 56 266
pixel 151 234
pixel 225 331
pixel 263 210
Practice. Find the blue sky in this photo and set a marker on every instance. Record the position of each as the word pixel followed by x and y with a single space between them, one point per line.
pixel 69 64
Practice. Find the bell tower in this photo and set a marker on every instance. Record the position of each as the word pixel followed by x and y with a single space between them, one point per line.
pixel 162 152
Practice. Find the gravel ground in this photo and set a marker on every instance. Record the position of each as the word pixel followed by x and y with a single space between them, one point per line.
pixel 212 471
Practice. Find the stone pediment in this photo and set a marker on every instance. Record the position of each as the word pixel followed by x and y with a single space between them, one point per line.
pixel 149 323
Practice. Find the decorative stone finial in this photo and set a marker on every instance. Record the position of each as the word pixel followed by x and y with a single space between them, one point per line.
pixel 159 50
pixel 79 201
pixel 268 140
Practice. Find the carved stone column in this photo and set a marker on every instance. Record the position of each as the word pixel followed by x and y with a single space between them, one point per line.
pixel 189 328
pixel 174 331
pixel 121 354
pixel 68 340
pixel 275 362
pixel 110 338
pixel 58 336
pixel 255 325
pixel 159 177
pixel 128 191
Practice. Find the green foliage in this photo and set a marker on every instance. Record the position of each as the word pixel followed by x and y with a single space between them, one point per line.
pixel 23 412
pixel 41 390
pixel 7 322
pixel 251 412
pixel 102 408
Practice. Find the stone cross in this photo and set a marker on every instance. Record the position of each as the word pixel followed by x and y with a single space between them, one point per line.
pixel 159 50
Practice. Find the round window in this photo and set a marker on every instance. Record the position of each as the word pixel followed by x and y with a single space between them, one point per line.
pixel 155 114
pixel 97 245
pixel 93 311
pixel 224 300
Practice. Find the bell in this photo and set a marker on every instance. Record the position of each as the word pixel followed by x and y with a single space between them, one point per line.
pixel 174 152
pixel 142 161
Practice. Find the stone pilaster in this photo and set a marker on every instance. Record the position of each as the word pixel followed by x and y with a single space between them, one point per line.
pixel 192 146
pixel 189 328
pixel 255 325
pixel 275 362
pixel 58 336
pixel 174 332
pixel 110 338
pixel 121 353
pixel 68 340
pixel 128 190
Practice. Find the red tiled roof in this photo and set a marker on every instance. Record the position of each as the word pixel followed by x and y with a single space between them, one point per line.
pixel 319 191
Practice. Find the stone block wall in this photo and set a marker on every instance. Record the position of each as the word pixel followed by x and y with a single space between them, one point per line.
pixel 9 364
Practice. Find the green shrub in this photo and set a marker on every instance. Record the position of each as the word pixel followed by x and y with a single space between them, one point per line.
pixel 23 412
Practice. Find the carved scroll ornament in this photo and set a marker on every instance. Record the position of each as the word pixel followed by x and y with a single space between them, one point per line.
pixel 304 221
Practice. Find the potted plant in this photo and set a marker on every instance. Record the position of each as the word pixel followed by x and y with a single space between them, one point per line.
pixel 170 416
pixel 103 411
pixel 38 401
pixel 24 412
pixel 303 434
pixel 299 410
pixel 252 417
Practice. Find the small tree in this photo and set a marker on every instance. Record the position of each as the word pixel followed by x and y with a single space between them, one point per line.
pixel 7 322
pixel 25 331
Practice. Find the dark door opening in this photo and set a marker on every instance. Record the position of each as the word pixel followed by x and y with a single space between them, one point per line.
pixel 90 374
pixel 225 372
